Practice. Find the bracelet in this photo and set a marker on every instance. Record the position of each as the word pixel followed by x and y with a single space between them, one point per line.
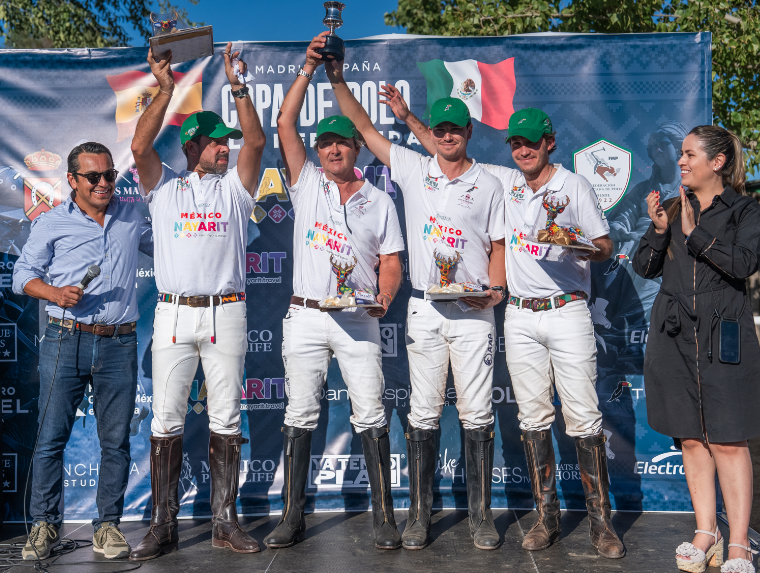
pixel 304 73
pixel 163 92
pixel 388 295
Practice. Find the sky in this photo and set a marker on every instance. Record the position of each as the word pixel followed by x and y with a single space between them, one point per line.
pixel 284 20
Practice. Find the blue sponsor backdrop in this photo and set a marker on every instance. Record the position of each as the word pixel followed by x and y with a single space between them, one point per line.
pixel 638 92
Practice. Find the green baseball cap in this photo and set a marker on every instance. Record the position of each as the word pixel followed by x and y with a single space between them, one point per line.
pixel 530 123
pixel 206 123
pixel 338 124
pixel 449 109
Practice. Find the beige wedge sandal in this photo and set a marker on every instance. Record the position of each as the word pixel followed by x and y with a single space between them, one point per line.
pixel 739 565
pixel 697 560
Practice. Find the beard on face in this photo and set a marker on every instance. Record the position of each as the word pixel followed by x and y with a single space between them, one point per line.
pixel 216 168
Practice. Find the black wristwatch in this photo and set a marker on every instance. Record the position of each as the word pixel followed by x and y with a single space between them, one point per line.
pixel 500 290
pixel 241 93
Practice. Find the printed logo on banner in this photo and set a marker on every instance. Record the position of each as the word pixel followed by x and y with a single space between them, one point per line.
pixel 186 479
pixel 277 213
pixel 264 263
pixel 41 194
pixel 42 161
pixel 267 389
pixel 10 473
pixel 388 340
pixel 336 472
pixel 665 464
pixel 598 310
pixel 8 342
pixel 608 168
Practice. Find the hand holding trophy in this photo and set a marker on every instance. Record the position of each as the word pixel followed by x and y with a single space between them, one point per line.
pixel 173 37
pixel 333 48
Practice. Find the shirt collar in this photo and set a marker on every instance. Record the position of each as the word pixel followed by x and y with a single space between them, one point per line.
pixel 728 196
pixel 72 206
pixel 469 177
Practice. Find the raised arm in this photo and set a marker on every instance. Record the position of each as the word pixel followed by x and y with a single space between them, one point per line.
pixel 376 143
pixel 147 161
pixel 254 140
pixel 292 148
pixel 395 101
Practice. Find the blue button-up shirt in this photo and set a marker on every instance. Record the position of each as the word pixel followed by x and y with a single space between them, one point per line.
pixel 64 242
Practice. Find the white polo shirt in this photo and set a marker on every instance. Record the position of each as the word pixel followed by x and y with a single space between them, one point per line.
pixel 200 232
pixel 326 232
pixel 463 215
pixel 527 276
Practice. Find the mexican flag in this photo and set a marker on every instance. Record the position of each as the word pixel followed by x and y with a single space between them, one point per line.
pixel 487 89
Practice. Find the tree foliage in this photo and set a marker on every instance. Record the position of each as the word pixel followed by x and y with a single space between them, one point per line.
pixel 735 27
pixel 77 23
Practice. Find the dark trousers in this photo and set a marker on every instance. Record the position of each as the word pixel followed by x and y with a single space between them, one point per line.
pixel 110 365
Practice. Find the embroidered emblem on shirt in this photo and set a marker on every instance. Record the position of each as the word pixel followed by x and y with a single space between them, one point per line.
pixel 183 184
pixel 517 194
pixel 467 199
pixel 431 183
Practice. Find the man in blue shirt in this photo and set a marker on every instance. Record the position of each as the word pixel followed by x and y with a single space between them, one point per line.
pixel 90 339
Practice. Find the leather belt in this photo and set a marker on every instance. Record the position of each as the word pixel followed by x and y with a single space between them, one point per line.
pixel 96 329
pixel 201 301
pixel 537 304
pixel 307 302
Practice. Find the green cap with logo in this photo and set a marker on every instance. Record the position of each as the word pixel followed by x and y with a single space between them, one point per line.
pixel 530 123
pixel 338 124
pixel 449 109
pixel 206 123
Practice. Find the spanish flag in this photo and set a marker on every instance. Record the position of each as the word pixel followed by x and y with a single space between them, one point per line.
pixel 135 90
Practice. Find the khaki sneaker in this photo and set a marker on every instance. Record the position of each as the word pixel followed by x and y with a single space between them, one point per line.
pixel 110 542
pixel 42 539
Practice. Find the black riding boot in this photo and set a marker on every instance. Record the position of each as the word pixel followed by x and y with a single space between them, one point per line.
pixel 479 457
pixel 224 459
pixel 539 452
pixel 592 461
pixel 420 454
pixel 165 467
pixel 297 459
pixel 377 453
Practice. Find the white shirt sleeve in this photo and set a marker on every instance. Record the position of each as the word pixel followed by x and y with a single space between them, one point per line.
pixel 592 220
pixel 497 222
pixel 232 179
pixel 504 174
pixel 404 165
pixel 168 177
pixel 392 241
pixel 308 177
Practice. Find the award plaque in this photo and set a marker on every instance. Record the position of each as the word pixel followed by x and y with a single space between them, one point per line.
pixel 333 44
pixel 185 43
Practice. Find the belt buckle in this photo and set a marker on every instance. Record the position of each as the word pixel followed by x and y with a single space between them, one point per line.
pixel 97 327
pixel 196 301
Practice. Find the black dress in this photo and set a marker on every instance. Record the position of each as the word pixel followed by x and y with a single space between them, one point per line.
pixel 690 393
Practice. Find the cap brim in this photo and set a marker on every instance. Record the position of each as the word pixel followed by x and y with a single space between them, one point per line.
pixel 337 131
pixel 530 134
pixel 224 131
pixel 434 123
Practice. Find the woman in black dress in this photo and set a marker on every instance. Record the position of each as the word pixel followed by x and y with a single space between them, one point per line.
pixel 704 245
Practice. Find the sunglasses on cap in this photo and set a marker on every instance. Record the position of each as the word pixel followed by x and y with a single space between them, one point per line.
pixel 94 177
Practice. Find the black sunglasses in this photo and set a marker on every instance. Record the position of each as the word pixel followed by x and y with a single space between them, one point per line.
pixel 94 177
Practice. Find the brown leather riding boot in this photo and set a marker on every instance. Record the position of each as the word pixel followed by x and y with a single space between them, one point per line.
pixel 539 452
pixel 165 467
pixel 592 461
pixel 224 460
pixel 479 458
pixel 377 453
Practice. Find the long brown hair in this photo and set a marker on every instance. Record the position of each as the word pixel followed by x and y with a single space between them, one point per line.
pixel 715 140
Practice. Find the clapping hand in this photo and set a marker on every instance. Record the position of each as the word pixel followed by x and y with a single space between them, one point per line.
pixel 656 212
pixel 687 214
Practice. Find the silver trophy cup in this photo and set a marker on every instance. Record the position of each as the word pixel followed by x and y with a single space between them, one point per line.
pixel 333 44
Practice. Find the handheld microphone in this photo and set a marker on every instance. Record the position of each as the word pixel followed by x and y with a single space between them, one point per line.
pixel 92 272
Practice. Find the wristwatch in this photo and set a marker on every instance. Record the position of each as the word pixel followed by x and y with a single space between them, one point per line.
pixel 500 290
pixel 304 73
pixel 241 93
